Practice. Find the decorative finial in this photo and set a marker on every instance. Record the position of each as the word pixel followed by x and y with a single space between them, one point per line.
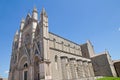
pixel 43 12
pixel 43 9
pixel 28 15
pixel 23 20
pixel 17 32
pixel 16 36
pixel 34 9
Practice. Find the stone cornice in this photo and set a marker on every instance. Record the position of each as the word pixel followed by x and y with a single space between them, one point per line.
pixel 65 52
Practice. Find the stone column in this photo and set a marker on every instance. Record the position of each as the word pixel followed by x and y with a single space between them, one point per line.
pixel 21 74
pixel 16 74
pixel 64 61
pixel 30 74
pixel 48 71
pixel 73 67
pixel 86 69
pixel 44 70
pixel 80 69
pixel 91 69
pixel 69 70
pixel 41 70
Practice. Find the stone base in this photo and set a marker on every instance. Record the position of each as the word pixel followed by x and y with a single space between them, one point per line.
pixel 90 78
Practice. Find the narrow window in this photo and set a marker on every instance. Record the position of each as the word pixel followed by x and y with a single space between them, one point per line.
pixel 38 76
pixel 56 62
pixel 54 40
pixel 25 75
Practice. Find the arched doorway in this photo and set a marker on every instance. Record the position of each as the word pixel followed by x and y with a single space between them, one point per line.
pixel 23 68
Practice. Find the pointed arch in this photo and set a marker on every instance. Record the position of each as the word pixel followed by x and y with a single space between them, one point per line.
pixel 36 53
pixel 37 50
pixel 24 59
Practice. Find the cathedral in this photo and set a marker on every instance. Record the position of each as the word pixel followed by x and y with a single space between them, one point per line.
pixel 38 54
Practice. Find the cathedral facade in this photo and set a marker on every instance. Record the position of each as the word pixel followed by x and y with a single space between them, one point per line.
pixel 38 54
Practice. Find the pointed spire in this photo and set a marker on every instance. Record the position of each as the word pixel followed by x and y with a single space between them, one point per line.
pixel 22 24
pixel 44 17
pixel 43 12
pixel 35 14
pixel 23 20
pixel 28 15
pixel 34 9
pixel 88 41
pixel 16 35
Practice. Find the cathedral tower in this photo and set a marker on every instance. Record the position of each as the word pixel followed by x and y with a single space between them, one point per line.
pixel 30 52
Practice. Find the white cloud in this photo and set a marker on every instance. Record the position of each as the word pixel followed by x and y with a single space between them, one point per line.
pixel 6 72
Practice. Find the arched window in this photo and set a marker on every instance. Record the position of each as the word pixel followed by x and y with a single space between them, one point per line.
pixel 25 65
pixel 36 51
pixel 38 44
pixel 25 77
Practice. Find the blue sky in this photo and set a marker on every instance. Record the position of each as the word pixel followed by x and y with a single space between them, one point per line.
pixel 76 20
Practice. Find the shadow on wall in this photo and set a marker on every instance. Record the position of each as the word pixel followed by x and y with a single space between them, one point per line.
pixel 117 68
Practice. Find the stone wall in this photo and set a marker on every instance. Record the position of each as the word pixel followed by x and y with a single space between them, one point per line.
pixel 84 49
pixel 47 56
pixel 67 60
pixel 117 68
pixel 102 65
pixel 67 66
pixel 64 45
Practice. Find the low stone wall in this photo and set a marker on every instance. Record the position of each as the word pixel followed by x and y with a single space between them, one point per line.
pixel 102 65
pixel 97 77
pixel 90 78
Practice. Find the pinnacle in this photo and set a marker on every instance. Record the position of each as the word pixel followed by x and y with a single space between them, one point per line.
pixel 17 32
pixel 34 9
pixel 43 11
pixel 23 20
pixel 28 14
